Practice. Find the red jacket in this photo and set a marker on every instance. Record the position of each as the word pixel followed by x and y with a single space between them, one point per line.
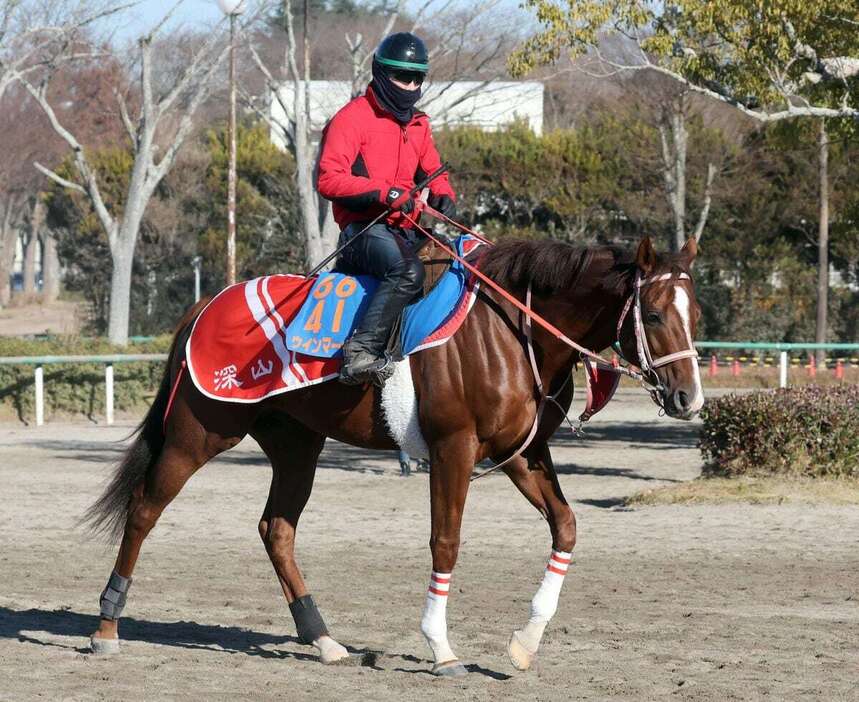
pixel 365 152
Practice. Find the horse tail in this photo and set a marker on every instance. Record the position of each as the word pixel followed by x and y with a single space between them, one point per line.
pixel 108 514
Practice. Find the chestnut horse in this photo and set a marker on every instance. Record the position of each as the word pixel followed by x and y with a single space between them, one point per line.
pixel 478 398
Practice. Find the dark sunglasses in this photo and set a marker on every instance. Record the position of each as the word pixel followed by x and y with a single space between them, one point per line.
pixel 407 77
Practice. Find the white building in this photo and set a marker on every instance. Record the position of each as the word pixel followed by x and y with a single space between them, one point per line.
pixel 486 105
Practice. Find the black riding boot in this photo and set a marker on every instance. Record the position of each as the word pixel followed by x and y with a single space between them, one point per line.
pixel 384 253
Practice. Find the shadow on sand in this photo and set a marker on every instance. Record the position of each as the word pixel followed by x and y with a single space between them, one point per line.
pixel 337 456
pixel 26 625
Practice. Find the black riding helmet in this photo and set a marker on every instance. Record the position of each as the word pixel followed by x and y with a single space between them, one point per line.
pixel 403 51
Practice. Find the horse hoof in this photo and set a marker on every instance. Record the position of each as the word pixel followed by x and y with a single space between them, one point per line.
pixel 330 651
pixel 104 647
pixel 449 669
pixel 520 657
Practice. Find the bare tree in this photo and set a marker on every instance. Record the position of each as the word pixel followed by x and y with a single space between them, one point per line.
pixel 33 35
pixel 36 34
pixel 157 131
pixel 320 230
pixel 674 140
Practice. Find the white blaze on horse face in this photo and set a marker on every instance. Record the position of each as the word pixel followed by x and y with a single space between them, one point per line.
pixel 681 303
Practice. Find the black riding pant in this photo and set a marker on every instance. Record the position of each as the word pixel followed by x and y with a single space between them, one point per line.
pixel 386 253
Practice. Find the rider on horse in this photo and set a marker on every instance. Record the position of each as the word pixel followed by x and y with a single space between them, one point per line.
pixel 374 150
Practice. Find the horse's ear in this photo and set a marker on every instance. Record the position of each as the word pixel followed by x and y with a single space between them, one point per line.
pixel 689 251
pixel 645 259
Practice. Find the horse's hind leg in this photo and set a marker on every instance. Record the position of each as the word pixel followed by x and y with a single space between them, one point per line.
pixel 187 447
pixel 293 450
pixel 537 480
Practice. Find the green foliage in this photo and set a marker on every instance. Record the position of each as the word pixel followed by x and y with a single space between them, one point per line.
pixel 809 431
pixel 566 183
pixel 78 389
pixel 602 181
pixel 267 219
pixel 576 28
pixel 751 48
pixel 746 49
pixel 81 241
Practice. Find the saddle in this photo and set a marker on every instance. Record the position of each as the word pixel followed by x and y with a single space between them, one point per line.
pixel 436 263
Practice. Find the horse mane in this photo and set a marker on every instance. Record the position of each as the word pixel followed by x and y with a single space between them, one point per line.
pixel 552 266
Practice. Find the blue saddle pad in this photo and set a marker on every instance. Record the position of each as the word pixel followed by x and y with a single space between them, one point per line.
pixel 337 302
pixel 427 317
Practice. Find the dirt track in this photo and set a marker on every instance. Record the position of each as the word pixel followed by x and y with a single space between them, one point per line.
pixel 705 603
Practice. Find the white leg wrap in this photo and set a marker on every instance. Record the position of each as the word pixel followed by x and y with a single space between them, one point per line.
pixel 545 602
pixel 434 621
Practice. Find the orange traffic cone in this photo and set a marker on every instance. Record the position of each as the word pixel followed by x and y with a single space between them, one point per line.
pixel 714 366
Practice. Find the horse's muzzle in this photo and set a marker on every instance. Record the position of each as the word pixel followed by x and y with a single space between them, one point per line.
pixel 680 405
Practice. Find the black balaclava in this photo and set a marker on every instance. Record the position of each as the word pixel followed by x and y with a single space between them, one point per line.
pixel 396 100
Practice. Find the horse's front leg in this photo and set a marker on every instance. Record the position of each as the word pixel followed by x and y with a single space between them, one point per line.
pixel 452 460
pixel 537 480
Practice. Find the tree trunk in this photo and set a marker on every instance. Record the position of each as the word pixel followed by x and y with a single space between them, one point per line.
pixel 674 137
pixel 823 242
pixel 330 230
pixel 304 161
pixel 708 199
pixel 28 271
pixel 120 295
pixel 680 136
pixel 122 254
pixel 307 196
pixel 37 219
pixel 50 268
pixel 8 239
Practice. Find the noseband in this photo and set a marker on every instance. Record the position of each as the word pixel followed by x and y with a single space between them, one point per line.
pixel 647 363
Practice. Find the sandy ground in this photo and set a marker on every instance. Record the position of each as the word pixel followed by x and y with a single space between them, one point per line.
pixel 702 603
pixel 60 317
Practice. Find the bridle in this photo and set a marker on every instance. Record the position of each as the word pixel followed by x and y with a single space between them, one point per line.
pixel 647 364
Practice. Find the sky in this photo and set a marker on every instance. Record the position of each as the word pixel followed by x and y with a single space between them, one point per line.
pixel 191 14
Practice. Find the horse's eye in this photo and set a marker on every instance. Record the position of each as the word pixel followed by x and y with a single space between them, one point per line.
pixel 653 318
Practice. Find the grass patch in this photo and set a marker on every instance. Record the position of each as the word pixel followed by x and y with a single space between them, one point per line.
pixel 772 490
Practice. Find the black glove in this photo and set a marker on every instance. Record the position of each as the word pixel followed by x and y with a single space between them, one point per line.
pixel 399 199
pixel 443 204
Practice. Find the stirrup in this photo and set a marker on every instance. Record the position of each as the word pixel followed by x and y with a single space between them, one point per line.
pixel 376 372
pixel 380 376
